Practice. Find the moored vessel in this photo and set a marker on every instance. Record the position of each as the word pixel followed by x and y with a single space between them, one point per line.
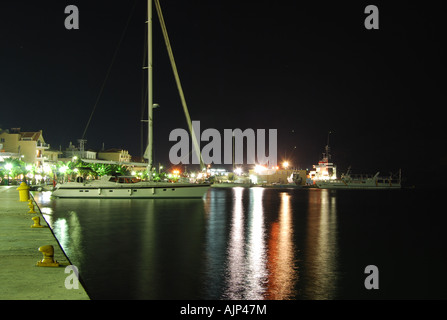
pixel 126 187
pixel 362 181
pixel 129 188
pixel 325 177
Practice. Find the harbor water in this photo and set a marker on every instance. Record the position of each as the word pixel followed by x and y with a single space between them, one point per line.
pixel 256 243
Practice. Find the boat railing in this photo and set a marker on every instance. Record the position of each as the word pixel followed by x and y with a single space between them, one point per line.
pixel 367 176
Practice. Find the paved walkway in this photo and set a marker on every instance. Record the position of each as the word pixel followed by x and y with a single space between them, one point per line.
pixel 20 278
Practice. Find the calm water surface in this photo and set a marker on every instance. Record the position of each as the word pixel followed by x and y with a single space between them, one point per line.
pixel 255 243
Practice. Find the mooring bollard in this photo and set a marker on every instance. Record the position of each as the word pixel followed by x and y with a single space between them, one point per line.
pixel 48 255
pixel 36 222
pixel 31 206
pixel 23 192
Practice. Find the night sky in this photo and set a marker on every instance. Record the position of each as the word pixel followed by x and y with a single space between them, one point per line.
pixel 303 69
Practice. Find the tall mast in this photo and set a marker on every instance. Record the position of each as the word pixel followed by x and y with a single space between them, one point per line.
pixel 150 97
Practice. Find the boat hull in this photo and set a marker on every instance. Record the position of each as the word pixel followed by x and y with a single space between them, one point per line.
pixel 132 192
pixel 232 185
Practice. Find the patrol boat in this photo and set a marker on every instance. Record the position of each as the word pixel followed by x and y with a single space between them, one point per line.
pixel 325 176
pixel 362 181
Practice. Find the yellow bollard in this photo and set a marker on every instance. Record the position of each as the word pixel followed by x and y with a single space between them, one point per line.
pixel 48 254
pixel 36 223
pixel 31 206
pixel 23 192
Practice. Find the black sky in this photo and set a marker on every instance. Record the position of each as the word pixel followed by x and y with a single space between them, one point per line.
pixel 303 69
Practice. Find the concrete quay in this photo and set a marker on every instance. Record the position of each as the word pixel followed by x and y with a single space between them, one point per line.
pixel 20 277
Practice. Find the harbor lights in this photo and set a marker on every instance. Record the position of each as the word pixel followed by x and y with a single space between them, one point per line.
pixel 176 173
pixel 260 169
pixel 63 169
pixel 8 166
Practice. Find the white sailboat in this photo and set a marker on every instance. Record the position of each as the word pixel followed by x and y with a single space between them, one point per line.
pixel 126 187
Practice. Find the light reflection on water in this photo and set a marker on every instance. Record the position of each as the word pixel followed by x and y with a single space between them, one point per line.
pixel 282 258
pixel 321 251
pixel 235 255
pixel 246 255
pixel 236 243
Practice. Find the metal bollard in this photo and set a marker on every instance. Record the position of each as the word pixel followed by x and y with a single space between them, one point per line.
pixel 23 192
pixel 36 223
pixel 31 206
pixel 48 255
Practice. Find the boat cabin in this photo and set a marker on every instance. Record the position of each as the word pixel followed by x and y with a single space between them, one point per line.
pixel 124 179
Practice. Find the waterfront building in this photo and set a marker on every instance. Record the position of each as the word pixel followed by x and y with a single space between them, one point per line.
pixel 72 151
pixel 29 147
pixel 118 155
pixel 51 156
